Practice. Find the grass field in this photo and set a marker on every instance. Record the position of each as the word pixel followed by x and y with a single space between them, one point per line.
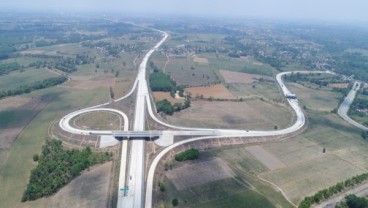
pixel 15 79
pixel 251 115
pixel 320 100
pixel 186 72
pixel 19 156
pixel 99 121
pixel 266 89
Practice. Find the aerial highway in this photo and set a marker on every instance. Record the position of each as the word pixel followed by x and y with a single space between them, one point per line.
pixel 345 106
pixel 131 191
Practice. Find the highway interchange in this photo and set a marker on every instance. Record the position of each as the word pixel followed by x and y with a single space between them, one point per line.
pixel 131 186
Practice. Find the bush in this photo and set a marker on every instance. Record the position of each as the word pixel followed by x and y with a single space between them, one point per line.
pixel 190 154
pixel 175 202
pixel 35 157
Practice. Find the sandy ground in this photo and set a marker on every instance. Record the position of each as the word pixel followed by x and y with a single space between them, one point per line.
pixel 215 91
pixel 265 157
pixel 87 190
pixel 238 77
pixel 197 173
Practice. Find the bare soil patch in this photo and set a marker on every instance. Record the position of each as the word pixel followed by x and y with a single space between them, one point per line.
pixel 158 96
pixel 14 102
pixel 339 85
pixel 200 60
pixel 91 189
pixel 198 173
pixel 265 157
pixel 216 91
pixel 243 78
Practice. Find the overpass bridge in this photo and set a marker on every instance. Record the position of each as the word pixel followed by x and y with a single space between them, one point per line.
pixel 156 134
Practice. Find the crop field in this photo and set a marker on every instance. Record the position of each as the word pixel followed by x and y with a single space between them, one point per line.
pixel 19 156
pixel 207 171
pixel 251 115
pixel 186 72
pixel 17 78
pixel 231 77
pixel 245 65
pixel 87 190
pixel 267 90
pixel 218 91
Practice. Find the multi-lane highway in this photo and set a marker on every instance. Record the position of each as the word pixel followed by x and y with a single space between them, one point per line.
pixel 131 191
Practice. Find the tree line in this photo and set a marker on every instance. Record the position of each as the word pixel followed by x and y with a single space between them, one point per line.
pixel 33 86
pixel 57 167
pixel 190 154
pixel 6 68
pixel 328 192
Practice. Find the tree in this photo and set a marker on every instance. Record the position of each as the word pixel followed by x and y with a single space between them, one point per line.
pixel 165 107
pixel 36 157
pixel 112 95
pixel 175 202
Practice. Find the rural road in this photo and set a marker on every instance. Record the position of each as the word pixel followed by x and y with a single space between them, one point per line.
pixel 345 106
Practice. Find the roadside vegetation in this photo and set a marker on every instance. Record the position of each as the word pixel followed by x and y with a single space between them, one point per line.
pixel 57 166
pixel 352 201
pixel 22 89
pixel 190 154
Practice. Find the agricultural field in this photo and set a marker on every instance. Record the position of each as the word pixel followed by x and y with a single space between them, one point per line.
pixel 218 91
pixel 185 71
pixel 210 182
pixel 17 78
pixel 251 115
pixel 90 189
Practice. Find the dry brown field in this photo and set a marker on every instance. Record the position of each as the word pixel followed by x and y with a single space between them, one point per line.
pixel 253 114
pixel 243 78
pixel 206 171
pixel 215 91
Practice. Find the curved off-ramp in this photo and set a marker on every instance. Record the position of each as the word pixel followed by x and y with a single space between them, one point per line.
pixel 345 106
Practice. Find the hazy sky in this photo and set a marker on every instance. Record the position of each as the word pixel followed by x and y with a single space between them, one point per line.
pixel 297 9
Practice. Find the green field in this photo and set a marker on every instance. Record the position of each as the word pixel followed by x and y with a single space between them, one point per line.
pixel 267 90
pixel 15 79
pixel 19 156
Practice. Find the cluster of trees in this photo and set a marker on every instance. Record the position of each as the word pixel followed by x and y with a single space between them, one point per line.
pixel 190 154
pixel 160 81
pixel 65 64
pixel 6 68
pixel 33 86
pixel 328 192
pixel 352 201
pixel 166 107
pixel 57 166
pixel 71 38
